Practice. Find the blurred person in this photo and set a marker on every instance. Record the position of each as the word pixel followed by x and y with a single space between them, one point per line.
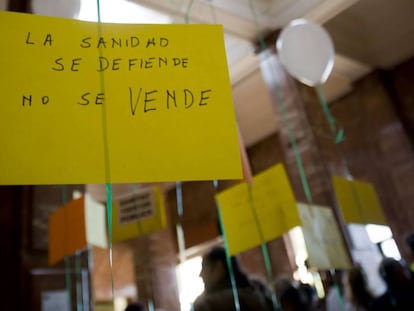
pixel 218 292
pixel 409 240
pixel 358 294
pixel 135 306
pixel 400 286
pixel 296 297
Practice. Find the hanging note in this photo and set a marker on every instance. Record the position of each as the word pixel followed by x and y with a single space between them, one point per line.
pixel 324 244
pixel 137 214
pixel 165 91
pixel 358 201
pixel 272 200
pixel 74 226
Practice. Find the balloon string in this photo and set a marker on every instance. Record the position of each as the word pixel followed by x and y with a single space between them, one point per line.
pixel 180 231
pixel 339 138
pixel 179 227
pixel 263 246
pixel 213 11
pixel 78 272
pixel 226 247
pixel 285 120
pixel 68 283
pixel 338 135
pixel 109 216
pixel 187 13
pixel 106 159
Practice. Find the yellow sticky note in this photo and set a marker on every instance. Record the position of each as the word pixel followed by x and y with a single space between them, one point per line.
pixel 346 199
pixel 358 201
pixel 153 100
pixel 238 219
pixel 140 213
pixel 275 202
pixel 369 200
pixel 325 245
pixel 57 236
pixel 260 212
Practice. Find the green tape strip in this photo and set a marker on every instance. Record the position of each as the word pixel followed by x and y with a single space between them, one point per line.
pixel 78 274
pixel 187 13
pixel 106 159
pixel 68 282
pixel 213 11
pixel 109 216
pixel 263 246
pixel 338 134
pixel 226 247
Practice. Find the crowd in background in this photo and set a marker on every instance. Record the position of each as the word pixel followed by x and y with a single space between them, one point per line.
pixel 228 288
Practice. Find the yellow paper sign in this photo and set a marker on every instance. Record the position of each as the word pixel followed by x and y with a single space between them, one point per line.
pixel 358 201
pixel 87 103
pixel 324 244
pixel 76 225
pixel 275 202
pixel 137 214
pixel 238 218
pixel 269 199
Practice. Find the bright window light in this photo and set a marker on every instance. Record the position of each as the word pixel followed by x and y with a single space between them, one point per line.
pixel 390 249
pixel 378 233
pixel 189 282
pixel 120 11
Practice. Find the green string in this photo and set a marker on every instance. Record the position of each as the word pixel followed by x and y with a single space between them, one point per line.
pixel 338 134
pixel 178 226
pixel 337 290
pixel 109 216
pixel 78 273
pixel 187 13
pixel 285 120
pixel 226 247
pixel 338 139
pixel 213 11
pixel 68 283
pixel 264 248
pixel 106 158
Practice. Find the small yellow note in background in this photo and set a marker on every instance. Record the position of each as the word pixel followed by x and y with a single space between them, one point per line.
pixel 74 226
pixel 259 212
pixel 89 103
pixel 136 214
pixel 358 201
pixel 325 247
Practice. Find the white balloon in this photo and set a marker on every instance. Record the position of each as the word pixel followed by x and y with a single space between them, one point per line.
pixel 306 51
pixel 58 8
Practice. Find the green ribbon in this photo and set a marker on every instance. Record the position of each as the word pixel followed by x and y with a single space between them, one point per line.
pixel 106 159
pixel 68 282
pixel 226 247
pixel 78 273
pixel 338 134
pixel 187 13
pixel 264 248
